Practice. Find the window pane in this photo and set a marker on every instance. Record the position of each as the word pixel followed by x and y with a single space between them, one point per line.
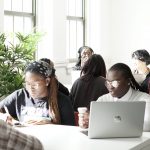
pixel 18 21
pixel 73 39
pixel 79 8
pixel 79 34
pixel 72 6
pixel 27 6
pixel 17 5
pixel 18 24
pixel 28 24
pixel 7 4
pixel 8 23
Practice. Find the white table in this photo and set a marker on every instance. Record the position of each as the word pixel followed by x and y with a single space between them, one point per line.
pixel 58 137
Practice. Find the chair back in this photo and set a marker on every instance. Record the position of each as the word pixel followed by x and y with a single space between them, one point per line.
pixel 76 118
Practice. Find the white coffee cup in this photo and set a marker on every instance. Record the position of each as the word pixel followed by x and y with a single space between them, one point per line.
pixel 82 109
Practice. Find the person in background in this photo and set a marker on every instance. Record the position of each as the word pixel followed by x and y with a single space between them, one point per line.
pixel 122 87
pixel 61 87
pixel 39 102
pixel 91 83
pixel 12 139
pixel 141 60
pixel 84 53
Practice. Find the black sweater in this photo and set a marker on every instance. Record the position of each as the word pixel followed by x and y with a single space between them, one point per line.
pixel 83 92
pixel 18 102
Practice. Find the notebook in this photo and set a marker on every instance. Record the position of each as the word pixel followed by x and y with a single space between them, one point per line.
pixel 116 119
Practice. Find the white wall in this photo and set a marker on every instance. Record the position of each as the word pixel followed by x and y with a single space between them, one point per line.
pixel 1 15
pixel 132 31
pixel 99 27
pixel 45 25
pixel 52 20
pixel 114 29
pixel 59 30
pixel 124 26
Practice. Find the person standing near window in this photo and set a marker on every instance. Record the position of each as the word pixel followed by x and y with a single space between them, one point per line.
pixel 84 53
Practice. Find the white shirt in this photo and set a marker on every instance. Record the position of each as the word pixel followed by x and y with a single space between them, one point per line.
pixel 133 95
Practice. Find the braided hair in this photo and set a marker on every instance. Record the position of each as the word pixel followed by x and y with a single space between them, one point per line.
pixel 127 73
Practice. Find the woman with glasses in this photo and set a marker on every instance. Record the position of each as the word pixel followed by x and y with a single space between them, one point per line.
pixel 84 53
pixel 122 87
pixel 39 102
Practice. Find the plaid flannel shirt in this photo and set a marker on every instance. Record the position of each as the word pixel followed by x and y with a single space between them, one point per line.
pixel 12 139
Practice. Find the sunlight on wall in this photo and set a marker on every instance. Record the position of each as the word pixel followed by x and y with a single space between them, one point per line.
pixel 45 25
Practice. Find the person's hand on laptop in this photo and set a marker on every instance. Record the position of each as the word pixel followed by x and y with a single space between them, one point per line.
pixel 83 117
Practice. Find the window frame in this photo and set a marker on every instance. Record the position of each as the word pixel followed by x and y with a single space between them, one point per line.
pixel 76 18
pixel 23 14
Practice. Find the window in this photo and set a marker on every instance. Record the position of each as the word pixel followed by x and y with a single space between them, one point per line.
pixel 19 15
pixel 75 27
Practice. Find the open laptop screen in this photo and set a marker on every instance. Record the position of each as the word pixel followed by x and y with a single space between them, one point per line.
pixel 116 119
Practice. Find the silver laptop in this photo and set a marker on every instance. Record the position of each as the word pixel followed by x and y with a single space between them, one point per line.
pixel 116 119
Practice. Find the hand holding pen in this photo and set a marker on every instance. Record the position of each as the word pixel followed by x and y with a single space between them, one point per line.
pixel 9 118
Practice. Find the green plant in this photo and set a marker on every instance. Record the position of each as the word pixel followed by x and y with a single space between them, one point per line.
pixel 13 59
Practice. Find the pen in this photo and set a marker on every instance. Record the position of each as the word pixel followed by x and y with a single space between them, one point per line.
pixel 9 119
pixel 6 110
pixel 7 114
pixel 17 123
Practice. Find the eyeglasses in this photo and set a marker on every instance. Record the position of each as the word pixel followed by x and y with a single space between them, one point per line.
pixel 34 85
pixel 86 54
pixel 114 83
